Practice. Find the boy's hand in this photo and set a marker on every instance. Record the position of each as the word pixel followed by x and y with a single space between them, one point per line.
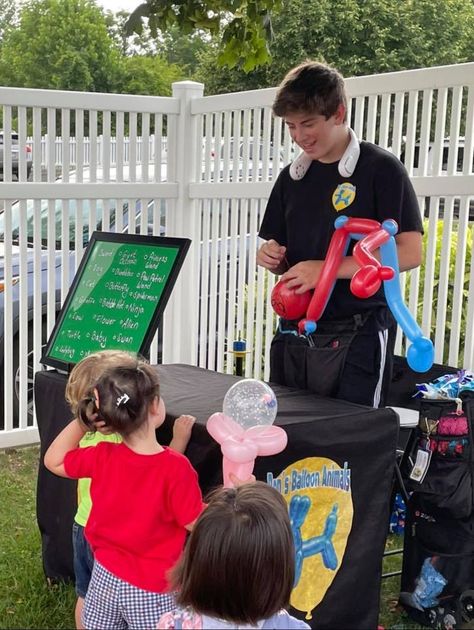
pixel 303 276
pixel 271 255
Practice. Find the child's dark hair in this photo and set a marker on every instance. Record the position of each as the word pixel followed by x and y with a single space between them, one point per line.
pixel 239 562
pixel 125 394
pixel 311 87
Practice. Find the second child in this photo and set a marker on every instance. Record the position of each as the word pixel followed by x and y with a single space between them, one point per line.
pixel 83 377
pixel 144 498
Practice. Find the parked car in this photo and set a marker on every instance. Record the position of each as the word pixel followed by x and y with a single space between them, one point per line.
pixel 15 156
pixel 102 210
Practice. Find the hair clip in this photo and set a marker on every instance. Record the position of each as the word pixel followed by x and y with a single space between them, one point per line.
pixel 121 400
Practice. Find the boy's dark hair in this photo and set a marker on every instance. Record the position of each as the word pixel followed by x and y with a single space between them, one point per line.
pixel 125 395
pixel 239 563
pixel 311 87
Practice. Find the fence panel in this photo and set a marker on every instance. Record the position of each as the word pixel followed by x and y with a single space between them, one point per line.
pixel 203 167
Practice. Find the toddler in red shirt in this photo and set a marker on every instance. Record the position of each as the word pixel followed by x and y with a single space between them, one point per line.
pixel 144 498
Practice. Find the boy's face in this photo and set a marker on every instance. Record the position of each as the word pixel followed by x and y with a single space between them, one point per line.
pixel 322 139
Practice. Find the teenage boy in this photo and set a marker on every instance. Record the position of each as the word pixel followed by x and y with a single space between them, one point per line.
pixel 350 354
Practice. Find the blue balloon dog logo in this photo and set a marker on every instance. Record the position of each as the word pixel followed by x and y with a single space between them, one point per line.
pixel 318 493
pixel 299 508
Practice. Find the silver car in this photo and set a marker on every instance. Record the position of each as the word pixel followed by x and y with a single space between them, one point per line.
pixel 15 156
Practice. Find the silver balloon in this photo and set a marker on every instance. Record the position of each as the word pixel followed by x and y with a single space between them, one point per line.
pixel 250 402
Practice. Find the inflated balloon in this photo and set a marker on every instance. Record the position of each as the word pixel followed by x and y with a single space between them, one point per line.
pixel 367 280
pixel 420 354
pixel 287 303
pixel 337 249
pixel 245 429
pixel 336 252
pixel 250 402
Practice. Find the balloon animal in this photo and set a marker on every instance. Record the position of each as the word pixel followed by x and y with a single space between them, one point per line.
pixel 245 429
pixel 365 282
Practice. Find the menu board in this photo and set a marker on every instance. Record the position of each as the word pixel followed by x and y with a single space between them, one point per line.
pixel 117 296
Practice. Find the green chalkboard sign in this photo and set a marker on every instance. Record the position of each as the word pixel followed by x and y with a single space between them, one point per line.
pixel 117 297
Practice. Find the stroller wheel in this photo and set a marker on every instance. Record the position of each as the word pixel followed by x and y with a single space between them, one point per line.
pixel 466 605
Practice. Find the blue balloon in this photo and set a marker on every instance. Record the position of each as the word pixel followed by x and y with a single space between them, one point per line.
pixel 420 355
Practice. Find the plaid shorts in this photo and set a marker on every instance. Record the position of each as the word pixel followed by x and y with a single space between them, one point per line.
pixel 113 603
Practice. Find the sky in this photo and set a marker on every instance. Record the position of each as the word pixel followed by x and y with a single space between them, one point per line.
pixel 117 5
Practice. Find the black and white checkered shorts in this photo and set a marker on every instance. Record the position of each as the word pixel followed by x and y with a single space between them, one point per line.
pixel 113 603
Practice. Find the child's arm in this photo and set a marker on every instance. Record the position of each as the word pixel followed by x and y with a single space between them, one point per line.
pixel 66 441
pixel 182 433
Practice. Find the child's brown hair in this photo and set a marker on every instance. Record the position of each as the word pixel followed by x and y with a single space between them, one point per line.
pixel 86 373
pixel 239 563
pixel 124 396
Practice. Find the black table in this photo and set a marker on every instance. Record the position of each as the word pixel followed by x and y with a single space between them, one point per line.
pixel 339 454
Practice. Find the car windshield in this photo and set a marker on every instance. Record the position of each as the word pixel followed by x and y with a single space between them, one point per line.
pixel 103 208
pixel 71 211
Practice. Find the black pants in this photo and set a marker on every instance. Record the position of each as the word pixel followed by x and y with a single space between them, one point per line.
pixel 348 359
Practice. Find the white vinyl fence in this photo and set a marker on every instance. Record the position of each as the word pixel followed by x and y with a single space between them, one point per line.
pixel 222 155
pixel 70 146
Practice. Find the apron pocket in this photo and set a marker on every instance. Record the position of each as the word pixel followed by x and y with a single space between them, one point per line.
pixel 325 362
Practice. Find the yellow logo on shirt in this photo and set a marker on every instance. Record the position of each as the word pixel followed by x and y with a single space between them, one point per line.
pixel 343 196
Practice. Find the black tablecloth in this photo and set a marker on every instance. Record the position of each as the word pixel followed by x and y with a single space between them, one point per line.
pixel 339 454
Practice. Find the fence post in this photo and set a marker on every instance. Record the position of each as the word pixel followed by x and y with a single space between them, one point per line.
pixel 181 316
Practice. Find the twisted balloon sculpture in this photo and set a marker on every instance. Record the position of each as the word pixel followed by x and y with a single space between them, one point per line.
pixel 245 429
pixel 365 282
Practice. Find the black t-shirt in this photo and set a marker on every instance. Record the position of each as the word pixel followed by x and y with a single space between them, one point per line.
pixel 301 214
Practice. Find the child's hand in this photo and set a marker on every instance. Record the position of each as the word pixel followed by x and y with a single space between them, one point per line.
pixel 236 482
pixel 96 424
pixel 182 432
pixel 102 427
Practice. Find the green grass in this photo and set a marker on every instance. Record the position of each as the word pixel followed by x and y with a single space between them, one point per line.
pixel 27 601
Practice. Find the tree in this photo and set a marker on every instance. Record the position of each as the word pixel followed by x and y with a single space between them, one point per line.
pixel 141 74
pixel 60 44
pixel 243 26
pixel 356 36
pixel 183 49
pixel 129 44
pixel 8 10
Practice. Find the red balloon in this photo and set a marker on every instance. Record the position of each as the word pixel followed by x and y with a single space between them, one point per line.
pixel 288 304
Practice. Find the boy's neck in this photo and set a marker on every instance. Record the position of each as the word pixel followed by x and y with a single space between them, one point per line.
pixel 340 145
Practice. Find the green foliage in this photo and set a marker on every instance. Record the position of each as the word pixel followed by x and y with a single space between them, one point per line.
pixel 243 26
pixel 147 75
pixel 60 44
pixel 435 305
pixel 8 10
pixel 356 36
pixel 182 49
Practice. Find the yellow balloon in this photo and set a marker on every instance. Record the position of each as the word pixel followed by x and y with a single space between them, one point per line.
pixel 326 484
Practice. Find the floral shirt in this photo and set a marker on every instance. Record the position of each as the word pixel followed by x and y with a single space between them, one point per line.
pixel 187 619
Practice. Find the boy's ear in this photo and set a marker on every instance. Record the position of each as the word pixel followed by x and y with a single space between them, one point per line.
pixel 340 114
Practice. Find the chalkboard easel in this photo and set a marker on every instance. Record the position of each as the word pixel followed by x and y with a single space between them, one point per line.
pixel 117 296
